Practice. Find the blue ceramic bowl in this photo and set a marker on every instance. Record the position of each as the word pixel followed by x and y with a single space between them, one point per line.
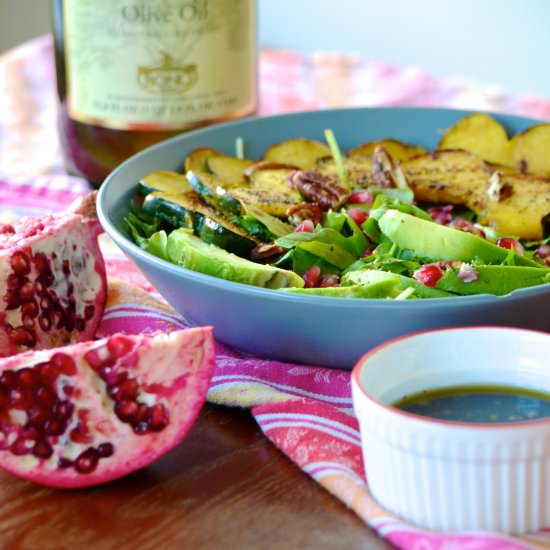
pixel 332 332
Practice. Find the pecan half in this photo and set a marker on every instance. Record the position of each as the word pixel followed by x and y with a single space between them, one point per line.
pixel 297 213
pixel 266 252
pixel 319 188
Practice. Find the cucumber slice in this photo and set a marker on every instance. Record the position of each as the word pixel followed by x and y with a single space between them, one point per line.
pixel 213 191
pixel 187 210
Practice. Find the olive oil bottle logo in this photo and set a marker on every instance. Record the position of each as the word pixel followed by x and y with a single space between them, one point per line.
pixel 167 78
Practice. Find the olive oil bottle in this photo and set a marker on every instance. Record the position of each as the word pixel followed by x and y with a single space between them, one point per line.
pixel 131 73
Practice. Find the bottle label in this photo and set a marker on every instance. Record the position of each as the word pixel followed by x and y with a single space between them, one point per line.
pixel 159 64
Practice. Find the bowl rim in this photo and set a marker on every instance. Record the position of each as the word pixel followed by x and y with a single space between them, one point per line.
pixel 124 242
pixel 396 413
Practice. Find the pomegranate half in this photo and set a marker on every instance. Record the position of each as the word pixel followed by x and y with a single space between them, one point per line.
pixel 52 279
pixel 88 413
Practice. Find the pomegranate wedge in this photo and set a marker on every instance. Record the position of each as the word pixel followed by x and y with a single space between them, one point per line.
pixel 52 279
pixel 88 413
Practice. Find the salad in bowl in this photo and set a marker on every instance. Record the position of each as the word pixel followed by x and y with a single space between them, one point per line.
pixel 386 220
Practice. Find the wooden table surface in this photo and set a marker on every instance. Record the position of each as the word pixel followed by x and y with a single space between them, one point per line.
pixel 225 486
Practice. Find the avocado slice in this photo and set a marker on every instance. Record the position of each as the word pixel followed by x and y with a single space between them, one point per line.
pixel 438 242
pixel 494 279
pixel 186 250
pixel 381 289
pixel 369 277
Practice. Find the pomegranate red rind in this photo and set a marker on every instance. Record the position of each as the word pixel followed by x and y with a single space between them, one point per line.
pixel 89 413
pixel 52 280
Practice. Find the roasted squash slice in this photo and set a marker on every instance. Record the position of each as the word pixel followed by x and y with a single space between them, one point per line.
pixel 531 150
pixel 196 161
pixel 482 135
pixel 358 169
pixel 163 180
pixel 229 169
pixel 398 150
pixel 299 152
pixel 269 191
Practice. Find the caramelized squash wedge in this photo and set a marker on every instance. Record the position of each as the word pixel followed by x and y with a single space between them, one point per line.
pixel 196 161
pixel 398 150
pixel 518 208
pixel 229 169
pixel 163 180
pixel 482 135
pixel 531 150
pixel 299 152
pixel 269 191
pixel 358 169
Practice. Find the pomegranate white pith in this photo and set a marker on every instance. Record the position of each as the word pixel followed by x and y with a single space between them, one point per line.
pixel 92 412
pixel 52 280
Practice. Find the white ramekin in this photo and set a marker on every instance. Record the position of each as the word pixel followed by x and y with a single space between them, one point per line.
pixel 448 475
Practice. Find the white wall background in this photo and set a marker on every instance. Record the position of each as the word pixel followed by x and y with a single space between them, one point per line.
pixel 503 42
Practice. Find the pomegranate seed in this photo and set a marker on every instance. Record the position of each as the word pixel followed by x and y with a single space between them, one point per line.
pixel 119 345
pixel 14 281
pixel 305 227
pixel 64 463
pixel 467 226
pixel 29 309
pixel 41 262
pixel 42 449
pixel 330 280
pixel 27 377
pixel 159 417
pixel 358 215
pixel 543 251
pixel 511 244
pixel 126 410
pixel 20 263
pixel 143 413
pixel 6 229
pixel 55 427
pixel 22 336
pixel 79 324
pixel 441 214
pixel 86 461
pixel 428 275
pixel 21 446
pixel 547 261
pixel 361 197
pixel 20 399
pixel 89 311
pixel 111 377
pixel 63 363
pixel 13 301
pixel 63 410
pixel 105 450
pixel 311 276
pixel 98 358
pixel 367 252
pixel 79 436
pixel 38 416
pixel 45 323
pixel 4 400
pixel 45 396
pixel 26 292
pixel 8 378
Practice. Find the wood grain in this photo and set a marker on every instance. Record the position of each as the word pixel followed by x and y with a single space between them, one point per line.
pixel 225 486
